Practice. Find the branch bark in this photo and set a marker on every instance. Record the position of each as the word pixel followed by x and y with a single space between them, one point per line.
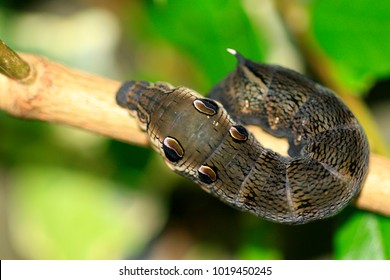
pixel 58 94
pixel 62 95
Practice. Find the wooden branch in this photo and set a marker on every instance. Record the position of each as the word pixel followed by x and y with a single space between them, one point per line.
pixel 58 94
pixel 62 95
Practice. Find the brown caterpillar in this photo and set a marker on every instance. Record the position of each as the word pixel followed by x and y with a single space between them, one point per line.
pixel 207 142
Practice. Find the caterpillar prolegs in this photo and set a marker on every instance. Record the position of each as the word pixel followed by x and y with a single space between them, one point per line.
pixel 205 140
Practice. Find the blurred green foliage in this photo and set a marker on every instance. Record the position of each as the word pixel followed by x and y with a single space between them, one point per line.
pixel 70 194
pixel 204 30
pixel 363 236
pixel 72 215
pixel 356 36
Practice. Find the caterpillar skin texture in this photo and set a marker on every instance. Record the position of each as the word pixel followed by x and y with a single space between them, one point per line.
pixel 205 140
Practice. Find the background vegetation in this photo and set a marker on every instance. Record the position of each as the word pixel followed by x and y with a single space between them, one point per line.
pixel 68 194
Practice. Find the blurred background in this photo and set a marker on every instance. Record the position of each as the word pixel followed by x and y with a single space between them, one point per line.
pixel 70 194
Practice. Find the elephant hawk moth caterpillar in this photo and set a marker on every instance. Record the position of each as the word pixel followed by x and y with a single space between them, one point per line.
pixel 205 140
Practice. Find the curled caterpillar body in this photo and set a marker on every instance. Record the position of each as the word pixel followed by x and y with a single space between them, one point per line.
pixel 205 140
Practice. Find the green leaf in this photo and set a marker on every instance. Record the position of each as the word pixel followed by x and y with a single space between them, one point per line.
pixel 363 236
pixel 205 29
pixel 355 35
pixel 260 240
pixel 62 214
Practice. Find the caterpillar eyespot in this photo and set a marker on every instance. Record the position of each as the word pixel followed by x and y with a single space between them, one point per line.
pixel 207 174
pixel 238 133
pixel 205 139
pixel 172 149
pixel 206 106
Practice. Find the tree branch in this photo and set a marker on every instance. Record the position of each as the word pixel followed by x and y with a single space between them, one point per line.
pixel 55 93
pixel 62 95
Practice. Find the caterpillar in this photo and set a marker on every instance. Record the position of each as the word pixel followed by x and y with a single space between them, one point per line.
pixel 205 140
